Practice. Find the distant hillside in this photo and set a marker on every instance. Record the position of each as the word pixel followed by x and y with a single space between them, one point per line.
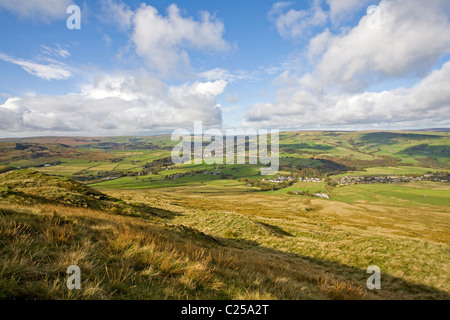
pixel 307 153
pixel 98 142
pixel 434 129
pixel 71 141
pixel 35 154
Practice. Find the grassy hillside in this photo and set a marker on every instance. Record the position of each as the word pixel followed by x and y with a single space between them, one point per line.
pixel 407 239
pixel 71 141
pixel 130 257
pixel 34 188
pixel 206 248
pixel 40 154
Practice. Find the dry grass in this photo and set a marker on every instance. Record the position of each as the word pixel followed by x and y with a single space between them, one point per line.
pixel 267 247
pixel 410 245
pixel 341 289
pixel 124 257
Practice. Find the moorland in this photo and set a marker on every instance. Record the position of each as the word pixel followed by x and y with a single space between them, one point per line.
pixel 141 227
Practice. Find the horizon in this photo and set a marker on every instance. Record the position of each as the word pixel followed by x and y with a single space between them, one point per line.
pixel 168 134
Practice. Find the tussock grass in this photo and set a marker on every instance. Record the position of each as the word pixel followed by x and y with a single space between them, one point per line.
pixel 340 289
pixel 129 258
pixel 409 244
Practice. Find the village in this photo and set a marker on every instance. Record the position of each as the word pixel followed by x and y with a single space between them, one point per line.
pixel 279 179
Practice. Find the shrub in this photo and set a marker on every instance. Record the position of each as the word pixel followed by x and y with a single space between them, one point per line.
pixel 230 234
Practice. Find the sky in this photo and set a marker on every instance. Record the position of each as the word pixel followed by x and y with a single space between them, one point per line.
pixel 150 67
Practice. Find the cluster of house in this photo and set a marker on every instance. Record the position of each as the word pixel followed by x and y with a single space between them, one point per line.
pixel 282 179
pixel 315 180
pixel 214 173
pixel 174 176
pixel 349 180
pixel 279 179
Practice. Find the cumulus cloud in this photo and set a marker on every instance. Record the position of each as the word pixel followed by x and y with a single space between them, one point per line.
pixel 44 10
pixel 228 76
pixel 424 104
pixel 218 73
pixel 127 103
pixel 341 8
pixel 114 105
pixel 117 13
pixel 53 71
pixel 294 24
pixel 163 40
pixel 318 44
pixel 410 41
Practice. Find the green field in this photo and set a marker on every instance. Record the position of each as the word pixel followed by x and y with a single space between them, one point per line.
pixel 400 170
pixel 402 195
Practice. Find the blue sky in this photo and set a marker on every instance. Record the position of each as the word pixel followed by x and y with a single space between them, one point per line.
pixel 145 67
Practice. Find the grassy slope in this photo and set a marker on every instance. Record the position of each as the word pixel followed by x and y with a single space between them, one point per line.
pixel 130 257
pixel 262 249
pixel 408 147
pixel 408 242
pixel 38 154
pixel 33 188
pixel 400 170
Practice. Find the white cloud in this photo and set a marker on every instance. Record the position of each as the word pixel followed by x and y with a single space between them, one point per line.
pixel 116 13
pixel 44 10
pixel 107 40
pixel 52 71
pixel 58 51
pixel 410 41
pixel 296 24
pixel 163 40
pixel 341 8
pixel 425 104
pixel 115 105
pixel 318 44
pixel 232 99
pixel 228 76
pixel 217 73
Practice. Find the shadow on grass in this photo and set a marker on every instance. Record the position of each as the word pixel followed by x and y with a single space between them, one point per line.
pixel 392 287
pixel 241 264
